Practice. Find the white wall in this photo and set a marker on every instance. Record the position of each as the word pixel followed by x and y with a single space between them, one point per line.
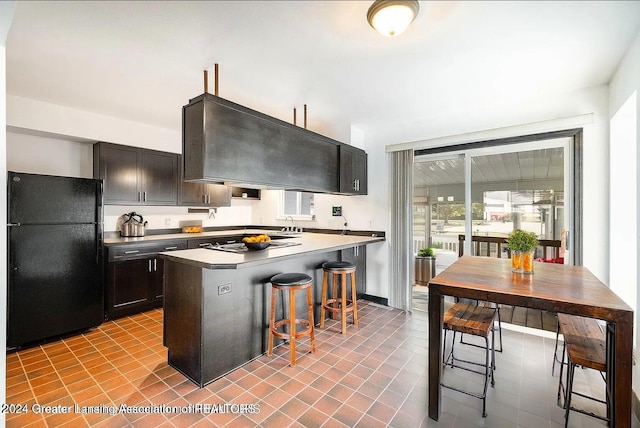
pixel 42 155
pixel 624 227
pixel 69 123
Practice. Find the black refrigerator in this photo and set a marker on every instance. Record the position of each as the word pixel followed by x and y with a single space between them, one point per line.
pixel 54 266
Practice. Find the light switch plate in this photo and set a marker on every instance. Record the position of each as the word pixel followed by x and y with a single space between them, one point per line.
pixel 336 211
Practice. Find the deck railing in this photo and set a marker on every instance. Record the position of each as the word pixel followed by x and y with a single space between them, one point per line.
pixel 493 246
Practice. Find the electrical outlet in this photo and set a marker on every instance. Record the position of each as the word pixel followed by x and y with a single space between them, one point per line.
pixel 167 222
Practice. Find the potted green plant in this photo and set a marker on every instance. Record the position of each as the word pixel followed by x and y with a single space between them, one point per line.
pixel 522 245
pixel 425 266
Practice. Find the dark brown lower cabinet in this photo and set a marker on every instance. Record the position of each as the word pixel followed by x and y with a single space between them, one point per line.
pixel 132 287
pixel 135 278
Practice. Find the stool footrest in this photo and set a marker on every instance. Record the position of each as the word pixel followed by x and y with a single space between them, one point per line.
pixel 285 322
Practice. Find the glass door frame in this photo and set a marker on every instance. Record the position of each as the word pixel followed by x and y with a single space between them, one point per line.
pixel 572 177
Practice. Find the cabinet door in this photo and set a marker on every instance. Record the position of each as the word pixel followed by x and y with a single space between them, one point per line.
pixel 118 166
pixel 159 178
pixel 353 171
pixel 157 279
pixel 127 287
pixel 360 171
pixel 192 194
pixel 218 195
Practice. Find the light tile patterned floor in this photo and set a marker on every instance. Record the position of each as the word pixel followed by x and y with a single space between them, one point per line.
pixel 374 376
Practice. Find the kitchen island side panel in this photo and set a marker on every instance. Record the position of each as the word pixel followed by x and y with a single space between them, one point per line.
pixel 183 317
pixel 234 307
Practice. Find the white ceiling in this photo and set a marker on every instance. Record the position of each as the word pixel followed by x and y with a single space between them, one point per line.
pixel 143 60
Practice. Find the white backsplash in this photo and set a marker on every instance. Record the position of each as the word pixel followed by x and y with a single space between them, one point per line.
pixel 239 213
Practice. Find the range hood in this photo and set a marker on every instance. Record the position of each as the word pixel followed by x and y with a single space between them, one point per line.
pixel 224 142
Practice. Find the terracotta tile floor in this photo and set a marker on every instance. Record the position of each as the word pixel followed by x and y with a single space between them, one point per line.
pixel 375 375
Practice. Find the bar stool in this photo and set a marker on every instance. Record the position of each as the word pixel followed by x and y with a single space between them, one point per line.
pixel 339 304
pixel 585 346
pixel 477 321
pixel 291 282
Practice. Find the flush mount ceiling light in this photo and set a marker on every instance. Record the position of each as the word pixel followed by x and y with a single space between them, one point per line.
pixel 392 17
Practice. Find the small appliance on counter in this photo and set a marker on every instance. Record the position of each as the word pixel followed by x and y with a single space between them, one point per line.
pixel 133 225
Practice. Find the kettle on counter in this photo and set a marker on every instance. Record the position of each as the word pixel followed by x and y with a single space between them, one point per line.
pixel 133 225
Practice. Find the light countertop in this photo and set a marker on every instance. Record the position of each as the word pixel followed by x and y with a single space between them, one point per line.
pixel 310 242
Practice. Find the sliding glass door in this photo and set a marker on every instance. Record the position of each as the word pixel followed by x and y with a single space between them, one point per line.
pixel 468 201
pixel 520 187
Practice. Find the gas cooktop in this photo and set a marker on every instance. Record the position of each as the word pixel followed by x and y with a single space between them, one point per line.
pixel 241 248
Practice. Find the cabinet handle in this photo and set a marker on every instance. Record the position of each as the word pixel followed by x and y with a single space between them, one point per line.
pixel 355 185
pixel 155 265
pixel 132 252
pixel 144 199
pixel 358 184
pixel 206 244
pixel 355 251
pixel 204 199
pixel 139 196
pixel 170 248
pixel 209 199
pixel 150 265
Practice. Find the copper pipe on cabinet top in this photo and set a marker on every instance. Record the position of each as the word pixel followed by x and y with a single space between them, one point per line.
pixel 206 81
pixel 305 116
pixel 294 115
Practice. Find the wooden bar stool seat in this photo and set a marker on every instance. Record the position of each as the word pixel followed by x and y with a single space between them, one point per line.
pixel 342 304
pixel 477 321
pixel 585 346
pixel 291 282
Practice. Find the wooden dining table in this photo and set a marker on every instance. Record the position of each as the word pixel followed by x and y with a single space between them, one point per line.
pixel 552 287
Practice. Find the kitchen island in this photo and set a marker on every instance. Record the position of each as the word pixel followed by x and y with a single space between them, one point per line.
pixel 216 303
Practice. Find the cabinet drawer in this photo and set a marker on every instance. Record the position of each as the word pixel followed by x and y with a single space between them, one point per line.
pixel 137 251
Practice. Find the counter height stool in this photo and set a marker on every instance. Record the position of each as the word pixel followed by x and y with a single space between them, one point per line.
pixel 291 282
pixel 337 304
pixel 477 321
pixel 585 346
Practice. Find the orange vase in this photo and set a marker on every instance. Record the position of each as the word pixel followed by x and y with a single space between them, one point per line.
pixel 516 261
pixel 527 262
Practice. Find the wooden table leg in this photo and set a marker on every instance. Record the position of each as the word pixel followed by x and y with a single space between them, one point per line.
pixel 436 309
pixel 619 370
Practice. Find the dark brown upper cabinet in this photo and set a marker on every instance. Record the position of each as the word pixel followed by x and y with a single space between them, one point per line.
pixel 353 170
pixel 226 142
pixel 194 194
pixel 134 176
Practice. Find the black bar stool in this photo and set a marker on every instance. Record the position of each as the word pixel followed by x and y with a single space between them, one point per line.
pixel 291 282
pixel 342 304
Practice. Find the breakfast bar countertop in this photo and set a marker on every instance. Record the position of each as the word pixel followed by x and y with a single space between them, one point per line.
pixel 309 243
